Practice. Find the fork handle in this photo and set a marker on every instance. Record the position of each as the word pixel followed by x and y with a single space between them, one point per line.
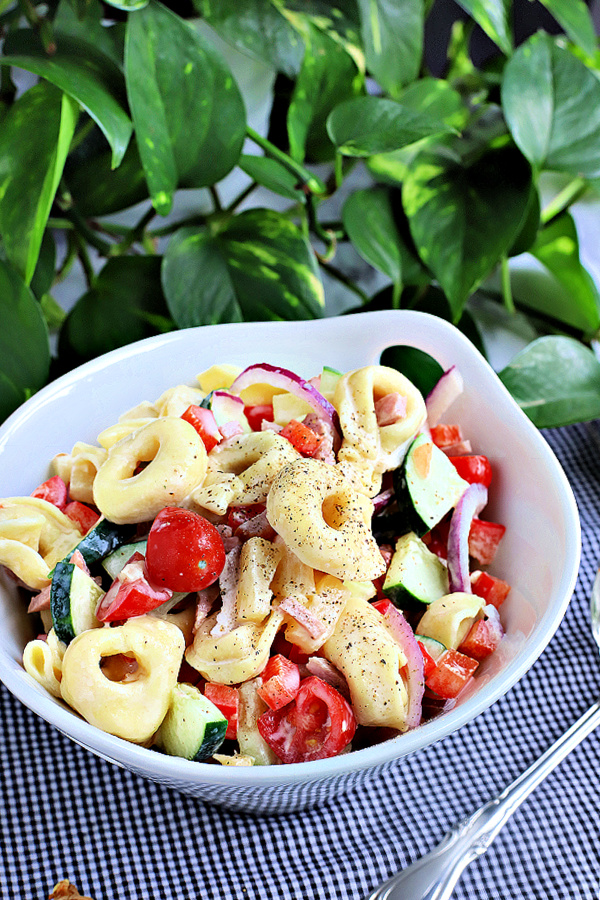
pixel 434 876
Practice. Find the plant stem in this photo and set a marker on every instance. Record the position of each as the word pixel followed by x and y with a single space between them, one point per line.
pixel 343 279
pixel 82 228
pixel 241 196
pixel 216 199
pixel 135 235
pixel 506 287
pixel 314 184
pixel 563 200
pixel 166 230
pixel 84 259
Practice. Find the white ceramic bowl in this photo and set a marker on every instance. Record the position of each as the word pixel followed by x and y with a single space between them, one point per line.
pixel 539 555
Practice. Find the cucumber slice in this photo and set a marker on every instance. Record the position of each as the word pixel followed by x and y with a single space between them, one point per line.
pixel 104 537
pixel 435 648
pixel 74 599
pixel 193 727
pixel 329 380
pixel 225 408
pixel 415 574
pixel 115 561
pixel 427 486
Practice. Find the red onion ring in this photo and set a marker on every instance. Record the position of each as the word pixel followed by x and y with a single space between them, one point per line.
pixel 443 394
pixel 264 373
pixel 415 680
pixel 470 505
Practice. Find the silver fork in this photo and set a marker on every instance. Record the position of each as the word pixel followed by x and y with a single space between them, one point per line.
pixel 434 876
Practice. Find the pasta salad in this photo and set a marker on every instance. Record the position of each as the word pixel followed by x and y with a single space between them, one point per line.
pixel 260 569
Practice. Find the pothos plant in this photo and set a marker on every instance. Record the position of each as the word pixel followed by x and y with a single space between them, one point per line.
pixel 129 102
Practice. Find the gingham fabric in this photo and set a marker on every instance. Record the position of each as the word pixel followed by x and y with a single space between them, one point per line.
pixel 66 814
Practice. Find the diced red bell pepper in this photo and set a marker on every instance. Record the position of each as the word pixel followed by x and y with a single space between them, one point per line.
pixel 205 424
pixel 53 491
pixel 493 590
pixel 280 682
pixel 437 539
pixel 482 640
pixel 84 516
pixel 303 438
pixel 429 662
pixel 446 435
pixel 453 672
pixel 484 538
pixel 131 594
pixel 474 469
pixel 227 699
pixel 256 415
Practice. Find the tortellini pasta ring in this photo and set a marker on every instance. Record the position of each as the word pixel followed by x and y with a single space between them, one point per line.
pixel 254 459
pixel 177 463
pixel 324 520
pixel 134 709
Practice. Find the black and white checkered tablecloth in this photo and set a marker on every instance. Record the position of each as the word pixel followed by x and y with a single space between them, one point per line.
pixel 66 814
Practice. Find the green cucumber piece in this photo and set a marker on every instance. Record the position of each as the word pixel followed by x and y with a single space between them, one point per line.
pixel 193 727
pixel 118 559
pixel 415 574
pixel 74 598
pixel 425 494
pixel 329 380
pixel 435 648
pixel 104 537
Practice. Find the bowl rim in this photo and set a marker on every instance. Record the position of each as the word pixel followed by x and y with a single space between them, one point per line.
pixel 160 767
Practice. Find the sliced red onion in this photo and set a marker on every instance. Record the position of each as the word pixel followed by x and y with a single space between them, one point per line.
pixel 415 680
pixel 445 392
pixel 298 611
pixel 264 373
pixel 326 671
pixel 470 505
pixel 493 617
pixel 382 500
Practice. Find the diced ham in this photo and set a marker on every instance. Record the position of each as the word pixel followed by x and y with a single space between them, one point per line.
pixel 320 426
pixel 298 611
pixel 390 409
pixel 462 448
pixel 230 540
pixel 205 600
pixel 78 560
pixel 257 526
pixel 230 429
pixel 228 582
pixel 40 601
pixel 266 425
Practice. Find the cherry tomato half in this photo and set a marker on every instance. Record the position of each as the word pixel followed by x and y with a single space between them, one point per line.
pixel 185 551
pixel 319 723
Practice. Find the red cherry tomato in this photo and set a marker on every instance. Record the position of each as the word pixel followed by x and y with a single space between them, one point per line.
pixel 256 414
pixel 185 551
pixel 319 723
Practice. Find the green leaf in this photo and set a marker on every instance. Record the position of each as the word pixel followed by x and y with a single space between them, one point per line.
pixel 367 125
pixel 530 225
pixel 551 102
pixel 438 99
pixel 258 28
pixel 273 175
pixel 556 381
pixel 82 72
pixel 34 143
pixel 88 24
pixel 369 222
pixel 188 112
pixel 493 17
pixel 465 210
pixel 419 367
pixel 46 266
pixel 96 188
pixel 120 308
pixel 54 314
pixel 259 266
pixel 328 77
pixel 128 5
pixel 575 19
pixel 392 32
pixel 557 247
pixel 24 348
